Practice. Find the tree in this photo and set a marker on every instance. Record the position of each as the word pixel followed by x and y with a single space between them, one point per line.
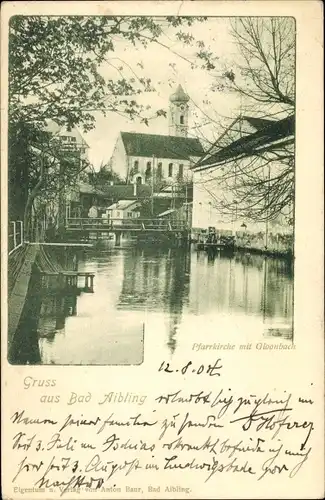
pixel 52 170
pixel 104 176
pixel 56 73
pixel 265 73
pixel 258 186
pixel 56 67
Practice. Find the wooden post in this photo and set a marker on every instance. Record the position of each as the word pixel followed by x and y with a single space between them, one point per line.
pixel 74 306
pixel 21 232
pixel 152 185
pixel 15 235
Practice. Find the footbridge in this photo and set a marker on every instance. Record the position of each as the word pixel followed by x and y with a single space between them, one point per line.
pixel 84 227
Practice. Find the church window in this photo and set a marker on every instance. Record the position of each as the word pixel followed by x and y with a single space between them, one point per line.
pixel 170 170
pixel 181 171
pixel 159 170
pixel 136 166
pixel 148 171
pixel 181 120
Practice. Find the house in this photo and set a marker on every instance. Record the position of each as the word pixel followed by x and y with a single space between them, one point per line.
pixel 181 215
pixel 70 140
pixel 52 210
pixel 123 209
pixel 248 139
pixel 159 159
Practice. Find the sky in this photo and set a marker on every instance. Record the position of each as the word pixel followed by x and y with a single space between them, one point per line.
pixel 166 71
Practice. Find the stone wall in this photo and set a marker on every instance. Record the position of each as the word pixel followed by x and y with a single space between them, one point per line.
pixel 276 243
pixel 18 293
pixel 273 243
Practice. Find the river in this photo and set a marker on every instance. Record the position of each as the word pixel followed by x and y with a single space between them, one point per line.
pixel 175 296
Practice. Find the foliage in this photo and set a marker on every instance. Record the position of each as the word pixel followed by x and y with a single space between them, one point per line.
pixel 64 69
pixel 105 175
pixel 52 169
pixel 56 67
pixel 261 186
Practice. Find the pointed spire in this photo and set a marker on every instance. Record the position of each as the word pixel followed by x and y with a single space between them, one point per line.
pixel 179 95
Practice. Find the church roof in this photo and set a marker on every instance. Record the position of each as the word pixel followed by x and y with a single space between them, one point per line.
pixel 161 146
pixel 179 95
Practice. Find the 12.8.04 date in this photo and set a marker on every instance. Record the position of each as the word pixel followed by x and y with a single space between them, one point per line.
pixel 210 369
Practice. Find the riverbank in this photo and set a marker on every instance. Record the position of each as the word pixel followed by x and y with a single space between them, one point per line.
pixel 18 286
pixel 268 244
pixel 24 293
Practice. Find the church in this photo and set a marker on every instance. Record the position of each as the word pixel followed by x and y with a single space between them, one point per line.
pixel 159 159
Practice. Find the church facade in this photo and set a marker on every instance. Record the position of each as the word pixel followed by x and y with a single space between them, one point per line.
pixel 159 159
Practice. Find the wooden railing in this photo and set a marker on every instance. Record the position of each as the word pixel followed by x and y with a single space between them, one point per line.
pixel 15 235
pixel 138 224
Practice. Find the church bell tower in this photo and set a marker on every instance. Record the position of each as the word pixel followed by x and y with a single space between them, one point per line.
pixel 178 113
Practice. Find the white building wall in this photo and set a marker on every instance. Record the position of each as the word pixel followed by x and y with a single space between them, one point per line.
pixel 143 161
pixel 123 165
pixel 206 190
pixel 120 214
pixel 205 213
pixel 119 163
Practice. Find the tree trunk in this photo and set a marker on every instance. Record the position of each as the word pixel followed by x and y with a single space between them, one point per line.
pixel 31 197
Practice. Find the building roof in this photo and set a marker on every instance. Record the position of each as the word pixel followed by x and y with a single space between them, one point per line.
pixel 126 191
pixel 85 188
pixel 117 191
pixel 257 123
pixel 179 95
pixel 161 146
pixel 167 212
pixel 262 140
pixel 122 205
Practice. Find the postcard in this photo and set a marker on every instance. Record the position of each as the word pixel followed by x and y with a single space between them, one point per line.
pixel 162 250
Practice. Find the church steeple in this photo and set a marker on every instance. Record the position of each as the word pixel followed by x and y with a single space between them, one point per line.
pixel 178 113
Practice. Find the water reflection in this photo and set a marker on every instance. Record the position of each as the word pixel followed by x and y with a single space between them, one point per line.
pixel 54 312
pixel 157 281
pixel 252 284
pixel 173 292
pixel 24 347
